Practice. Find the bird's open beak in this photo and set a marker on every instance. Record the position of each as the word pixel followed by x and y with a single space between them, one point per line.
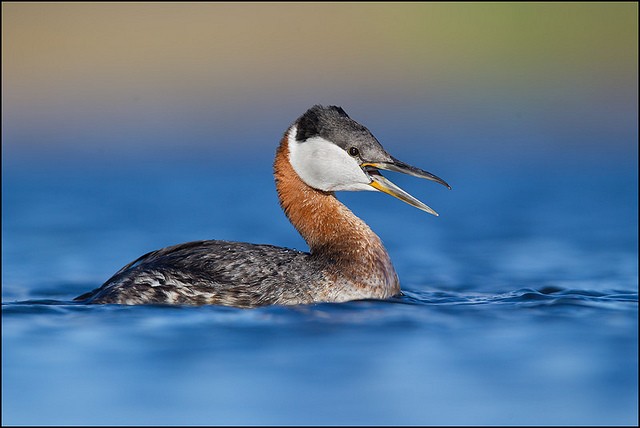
pixel 380 183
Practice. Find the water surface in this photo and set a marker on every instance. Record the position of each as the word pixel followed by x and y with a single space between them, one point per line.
pixel 520 301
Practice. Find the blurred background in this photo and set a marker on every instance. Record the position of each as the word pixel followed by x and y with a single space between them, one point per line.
pixel 486 80
pixel 127 127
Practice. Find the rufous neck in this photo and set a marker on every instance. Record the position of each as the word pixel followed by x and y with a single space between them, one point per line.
pixel 323 221
pixel 330 229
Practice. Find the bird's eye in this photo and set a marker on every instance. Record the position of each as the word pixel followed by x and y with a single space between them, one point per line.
pixel 353 151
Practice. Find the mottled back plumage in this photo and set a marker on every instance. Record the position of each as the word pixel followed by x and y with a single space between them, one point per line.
pixel 213 272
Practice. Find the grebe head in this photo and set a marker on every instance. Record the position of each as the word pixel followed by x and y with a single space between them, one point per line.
pixel 330 151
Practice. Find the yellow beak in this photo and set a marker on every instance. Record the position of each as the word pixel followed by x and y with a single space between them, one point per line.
pixel 379 182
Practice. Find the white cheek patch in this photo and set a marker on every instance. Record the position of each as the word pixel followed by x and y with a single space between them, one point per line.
pixel 325 166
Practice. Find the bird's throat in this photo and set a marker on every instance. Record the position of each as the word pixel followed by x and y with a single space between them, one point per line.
pixel 330 229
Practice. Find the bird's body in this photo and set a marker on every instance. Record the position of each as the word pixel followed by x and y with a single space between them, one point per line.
pixel 347 260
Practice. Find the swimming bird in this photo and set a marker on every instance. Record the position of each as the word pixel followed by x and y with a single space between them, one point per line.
pixel 322 152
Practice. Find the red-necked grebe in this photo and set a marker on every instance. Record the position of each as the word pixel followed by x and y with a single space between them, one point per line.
pixel 322 152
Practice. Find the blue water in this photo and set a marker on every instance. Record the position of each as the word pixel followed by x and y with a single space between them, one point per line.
pixel 520 306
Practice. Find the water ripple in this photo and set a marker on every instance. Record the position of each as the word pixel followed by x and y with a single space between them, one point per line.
pixel 545 296
pixel 548 296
